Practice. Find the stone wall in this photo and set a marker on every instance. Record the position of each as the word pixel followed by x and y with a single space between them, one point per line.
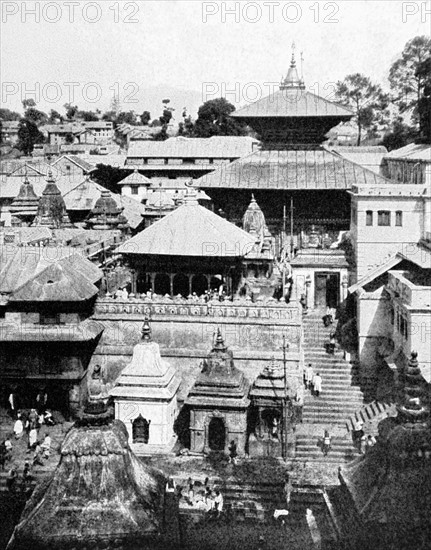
pixel 185 331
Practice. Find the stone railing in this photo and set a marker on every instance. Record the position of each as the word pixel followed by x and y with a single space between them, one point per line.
pixel 239 309
pixel 411 294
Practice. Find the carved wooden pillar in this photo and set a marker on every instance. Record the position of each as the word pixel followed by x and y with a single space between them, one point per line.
pixel 190 283
pixel 171 283
pixel 208 277
pixel 134 281
pixel 153 280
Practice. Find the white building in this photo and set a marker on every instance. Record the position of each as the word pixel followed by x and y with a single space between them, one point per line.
pixel 145 396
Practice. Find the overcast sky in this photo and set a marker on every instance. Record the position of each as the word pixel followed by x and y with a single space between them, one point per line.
pixel 194 50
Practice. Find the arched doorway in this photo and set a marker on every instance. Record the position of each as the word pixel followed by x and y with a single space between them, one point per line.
pixel 181 285
pixel 199 284
pixel 162 284
pixel 141 430
pixel 216 434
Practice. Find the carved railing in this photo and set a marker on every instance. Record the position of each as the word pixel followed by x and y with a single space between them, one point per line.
pixel 239 309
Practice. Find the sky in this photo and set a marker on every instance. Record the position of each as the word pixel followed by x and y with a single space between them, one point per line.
pixel 192 51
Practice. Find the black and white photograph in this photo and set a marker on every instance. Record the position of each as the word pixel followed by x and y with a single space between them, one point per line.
pixel 215 275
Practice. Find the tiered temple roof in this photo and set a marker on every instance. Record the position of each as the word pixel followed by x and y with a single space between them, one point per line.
pixel 25 204
pixel 220 385
pixel 106 214
pixel 52 208
pixel 269 387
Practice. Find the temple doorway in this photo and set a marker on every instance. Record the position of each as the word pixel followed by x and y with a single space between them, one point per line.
pixel 217 434
pixel 271 422
pixel 326 292
pixel 141 430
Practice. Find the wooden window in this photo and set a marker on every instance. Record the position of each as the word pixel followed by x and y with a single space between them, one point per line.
pixel 369 217
pixel 49 318
pixel 135 190
pixel 384 218
pixel 398 218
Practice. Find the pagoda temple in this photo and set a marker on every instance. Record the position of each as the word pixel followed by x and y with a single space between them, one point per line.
pixel 100 495
pixel 387 493
pixel 106 214
pixel 51 211
pixel 218 403
pixel 148 386
pixel 24 206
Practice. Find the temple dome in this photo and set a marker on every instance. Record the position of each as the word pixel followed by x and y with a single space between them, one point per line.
pixel 25 204
pixel 106 214
pixel 51 210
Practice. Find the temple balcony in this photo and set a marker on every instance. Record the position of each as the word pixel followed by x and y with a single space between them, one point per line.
pixel 412 289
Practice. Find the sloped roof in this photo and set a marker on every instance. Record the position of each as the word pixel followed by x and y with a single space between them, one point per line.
pixel 28 235
pixel 181 147
pixel 294 169
pixel 47 274
pixel 11 185
pixel 78 161
pixel 191 230
pixel 293 102
pixel 84 196
pixel 368 157
pixel 412 151
pixel 135 178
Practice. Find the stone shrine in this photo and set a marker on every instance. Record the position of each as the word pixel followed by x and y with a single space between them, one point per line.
pixel 218 403
pixel 145 396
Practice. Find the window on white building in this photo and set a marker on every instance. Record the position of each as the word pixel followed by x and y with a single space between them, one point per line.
pixel 398 218
pixel 384 218
pixel 369 217
pixel 134 190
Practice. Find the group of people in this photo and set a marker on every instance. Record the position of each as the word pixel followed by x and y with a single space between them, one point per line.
pixel 312 380
pixel 207 499
pixel 361 441
pixel 27 478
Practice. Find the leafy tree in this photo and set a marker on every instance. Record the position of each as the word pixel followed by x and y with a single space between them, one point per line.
pixel 68 138
pixel 88 116
pixel 214 120
pixel 399 135
pixel 109 176
pixel 406 79
pixel 367 100
pixel 8 115
pixel 71 110
pixel 32 114
pixel 145 118
pixel 28 136
pixel 423 72
pixel 128 117
pixel 54 117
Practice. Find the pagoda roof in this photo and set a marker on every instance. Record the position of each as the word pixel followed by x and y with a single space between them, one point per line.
pixel 270 385
pixel 302 169
pixel 47 274
pixel 100 495
pixel 293 102
pixel 191 230
pixel 26 202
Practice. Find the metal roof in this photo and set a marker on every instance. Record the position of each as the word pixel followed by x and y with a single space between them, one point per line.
pixel 293 102
pixel 302 169
pixel 181 147
pixel 191 230
pixel 412 151
pixel 368 157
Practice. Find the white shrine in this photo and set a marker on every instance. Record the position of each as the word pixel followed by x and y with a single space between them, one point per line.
pixel 145 397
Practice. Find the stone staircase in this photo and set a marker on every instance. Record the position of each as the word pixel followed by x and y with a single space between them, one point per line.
pixel 340 399
pixel 370 415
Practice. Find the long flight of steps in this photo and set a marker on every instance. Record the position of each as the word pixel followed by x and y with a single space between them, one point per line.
pixel 341 397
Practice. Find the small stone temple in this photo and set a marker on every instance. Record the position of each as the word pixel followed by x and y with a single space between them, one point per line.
pixel 270 393
pixel 218 403
pixel 145 397
pixel 100 495
pixel 52 211
pixel 106 214
pixel 386 494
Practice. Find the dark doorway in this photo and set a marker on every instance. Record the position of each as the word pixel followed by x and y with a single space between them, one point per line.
pixel 181 285
pixel 217 434
pixel 141 430
pixel 326 293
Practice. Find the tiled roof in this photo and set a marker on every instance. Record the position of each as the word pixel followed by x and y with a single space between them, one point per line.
pixel 411 152
pixel 26 274
pixel 79 161
pixel 180 147
pixel 135 178
pixel 191 230
pixel 303 169
pixel 10 185
pixel 294 102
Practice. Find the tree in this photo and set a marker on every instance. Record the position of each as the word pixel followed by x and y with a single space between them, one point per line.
pixel 68 138
pixel 54 117
pixel 145 118
pixel 367 100
pixel 71 110
pixel 406 79
pixel 214 120
pixel 28 136
pixel 8 115
pixel 108 176
pixel 32 114
pixel 399 135
pixel 128 117
pixel 88 116
pixel 423 72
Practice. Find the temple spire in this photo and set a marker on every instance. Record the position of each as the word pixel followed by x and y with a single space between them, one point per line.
pixel 292 80
pixel 146 330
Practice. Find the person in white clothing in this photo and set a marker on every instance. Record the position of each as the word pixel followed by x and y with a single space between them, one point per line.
pixel 317 384
pixel 46 446
pixel 218 502
pixel 18 428
pixel 309 373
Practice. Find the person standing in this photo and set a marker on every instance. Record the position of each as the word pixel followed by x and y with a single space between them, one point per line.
pixel 191 490
pixel 232 452
pixel 326 443
pixel 218 503
pixel 12 404
pixel 46 446
pixel 18 427
pixel 309 374
pixel 11 479
pixel 317 384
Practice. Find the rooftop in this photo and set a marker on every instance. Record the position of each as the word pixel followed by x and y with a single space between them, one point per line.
pixel 412 151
